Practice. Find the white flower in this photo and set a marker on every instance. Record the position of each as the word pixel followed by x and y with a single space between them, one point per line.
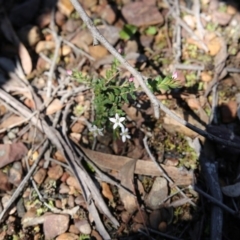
pixel 125 134
pixel 96 131
pixel 117 121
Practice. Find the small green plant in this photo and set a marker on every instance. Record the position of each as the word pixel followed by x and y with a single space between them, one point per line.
pixel 192 50
pixel 211 27
pixel 152 30
pixel 41 210
pixel 84 237
pixel 191 79
pixel 109 94
pixel 74 15
pixel 128 31
pixel 163 84
pixel 78 110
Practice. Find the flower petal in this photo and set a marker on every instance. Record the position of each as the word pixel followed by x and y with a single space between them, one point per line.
pixel 121 119
pixel 112 120
pixel 123 138
pixel 120 125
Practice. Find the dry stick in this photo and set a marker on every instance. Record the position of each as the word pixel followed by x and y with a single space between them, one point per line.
pixel 196 9
pixel 78 50
pixel 219 65
pixel 75 48
pixel 9 108
pixel 59 163
pixel 71 212
pixel 213 117
pixel 18 123
pixel 163 172
pixel 87 183
pixel 217 202
pixel 173 194
pixel 185 26
pixel 24 181
pixel 53 209
pixel 178 36
pixel 86 180
pixel 189 67
pixel 201 68
pixel 56 52
pixel 97 36
pixel 210 173
pixel 232 70
pixel 196 129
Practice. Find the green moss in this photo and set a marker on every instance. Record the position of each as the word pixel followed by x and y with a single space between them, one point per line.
pixel 178 146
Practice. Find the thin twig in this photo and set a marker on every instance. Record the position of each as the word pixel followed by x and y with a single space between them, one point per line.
pixel 24 181
pixel 213 117
pixel 232 70
pixel 88 187
pixel 215 201
pixel 185 26
pixel 78 50
pixel 71 45
pixel 56 52
pixel 163 172
pixel 196 129
pixel 52 208
pixel 18 123
pixel 189 67
pixel 196 9
pixel 177 45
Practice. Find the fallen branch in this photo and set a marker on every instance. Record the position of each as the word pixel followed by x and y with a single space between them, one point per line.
pixel 210 173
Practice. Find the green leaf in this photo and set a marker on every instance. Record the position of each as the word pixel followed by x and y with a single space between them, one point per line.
pixel 153 84
pixel 133 96
pixel 116 91
pixel 158 79
pixel 128 31
pixel 111 97
pixel 151 30
pixel 124 96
